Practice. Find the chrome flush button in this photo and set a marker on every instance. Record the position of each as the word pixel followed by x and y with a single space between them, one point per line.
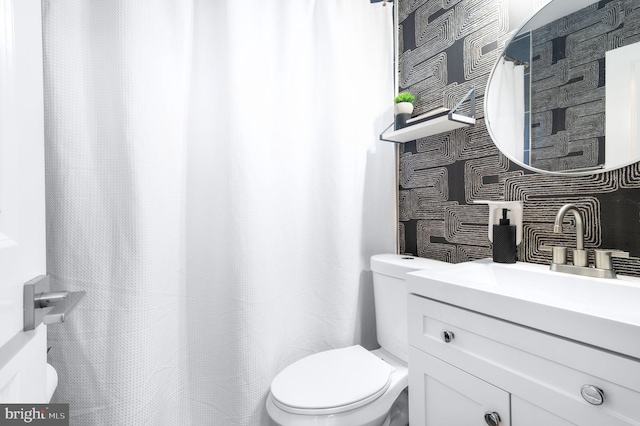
pixel 592 394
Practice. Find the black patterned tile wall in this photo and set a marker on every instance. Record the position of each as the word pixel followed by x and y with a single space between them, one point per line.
pixel 445 47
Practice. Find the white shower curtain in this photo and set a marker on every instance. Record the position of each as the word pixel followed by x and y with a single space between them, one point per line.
pixel 506 107
pixel 215 184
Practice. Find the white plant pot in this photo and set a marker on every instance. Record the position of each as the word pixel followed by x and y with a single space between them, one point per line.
pixel 403 108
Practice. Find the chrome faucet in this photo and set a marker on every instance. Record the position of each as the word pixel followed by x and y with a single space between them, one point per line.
pixel 603 266
pixel 580 257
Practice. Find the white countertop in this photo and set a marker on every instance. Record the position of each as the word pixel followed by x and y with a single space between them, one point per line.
pixel 597 311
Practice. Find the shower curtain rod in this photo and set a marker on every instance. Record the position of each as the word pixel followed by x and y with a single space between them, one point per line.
pixel 515 60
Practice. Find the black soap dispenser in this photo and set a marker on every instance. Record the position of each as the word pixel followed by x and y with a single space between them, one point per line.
pixel 504 240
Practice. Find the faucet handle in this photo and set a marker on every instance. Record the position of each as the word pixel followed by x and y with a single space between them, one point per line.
pixel 603 257
pixel 580 257
pixel 558 253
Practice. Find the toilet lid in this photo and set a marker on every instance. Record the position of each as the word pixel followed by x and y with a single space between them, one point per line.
pixel 331 381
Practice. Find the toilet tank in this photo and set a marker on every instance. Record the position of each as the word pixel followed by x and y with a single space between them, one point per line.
pixel 390 296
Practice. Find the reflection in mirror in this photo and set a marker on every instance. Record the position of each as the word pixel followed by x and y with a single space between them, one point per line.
pixel 545 102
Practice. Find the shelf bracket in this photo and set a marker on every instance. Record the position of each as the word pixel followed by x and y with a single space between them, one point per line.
pixel 385 131
pixel 471 96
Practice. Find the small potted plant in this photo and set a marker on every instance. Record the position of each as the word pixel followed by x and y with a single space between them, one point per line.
pixel 404 103
pixel 403 108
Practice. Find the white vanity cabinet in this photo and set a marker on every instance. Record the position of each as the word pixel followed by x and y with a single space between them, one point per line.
pixel 467 368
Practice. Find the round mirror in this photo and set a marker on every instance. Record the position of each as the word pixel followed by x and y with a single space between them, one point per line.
pixel 547 107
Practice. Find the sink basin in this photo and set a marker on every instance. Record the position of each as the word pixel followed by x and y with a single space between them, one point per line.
pixel 601 312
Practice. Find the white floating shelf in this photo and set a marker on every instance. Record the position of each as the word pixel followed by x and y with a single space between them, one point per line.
pixel 434 126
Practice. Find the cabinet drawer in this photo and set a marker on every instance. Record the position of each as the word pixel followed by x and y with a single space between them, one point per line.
pixel 544 369
pixel 445 395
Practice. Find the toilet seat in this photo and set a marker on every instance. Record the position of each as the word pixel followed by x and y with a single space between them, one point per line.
pixel 331 382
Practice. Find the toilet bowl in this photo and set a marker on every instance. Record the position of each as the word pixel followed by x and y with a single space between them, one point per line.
pixel 352 386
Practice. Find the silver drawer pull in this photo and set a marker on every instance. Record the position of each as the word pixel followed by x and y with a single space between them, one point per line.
pixel 447 336
pixel 492 418
pixel 592 394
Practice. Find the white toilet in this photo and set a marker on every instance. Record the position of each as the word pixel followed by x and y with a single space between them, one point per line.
pixel 352 386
